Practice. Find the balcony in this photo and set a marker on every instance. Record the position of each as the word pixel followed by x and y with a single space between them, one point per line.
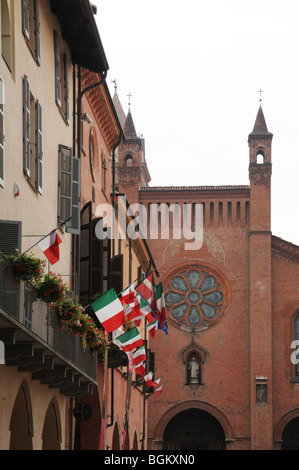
pixel 34 342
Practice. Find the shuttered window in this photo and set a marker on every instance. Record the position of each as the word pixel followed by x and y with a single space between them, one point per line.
pixel 1 132
pixel 32 138
pixel 57 69
pixel 116 273
pixel 10 240
pixel 39 149
pixel 61 79
pixel 69 169
pixel 95 274
pixel 31 26
pixel 26 127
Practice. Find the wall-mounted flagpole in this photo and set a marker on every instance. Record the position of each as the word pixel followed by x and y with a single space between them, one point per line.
pixel 58 226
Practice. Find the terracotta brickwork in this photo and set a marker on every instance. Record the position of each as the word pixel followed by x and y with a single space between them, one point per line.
pixel 247 381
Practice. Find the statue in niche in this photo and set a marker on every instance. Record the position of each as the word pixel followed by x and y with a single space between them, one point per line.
pixel 193 370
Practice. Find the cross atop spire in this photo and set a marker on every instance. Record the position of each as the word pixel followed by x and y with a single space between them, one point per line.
pixel 129 96
pixel 260 92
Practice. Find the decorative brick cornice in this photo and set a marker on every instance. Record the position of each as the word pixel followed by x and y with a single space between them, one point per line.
pixel 260 173
pixel 195 188
pixel 284 249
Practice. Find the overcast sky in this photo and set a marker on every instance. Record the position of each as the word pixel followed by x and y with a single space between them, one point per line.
pixel 194 70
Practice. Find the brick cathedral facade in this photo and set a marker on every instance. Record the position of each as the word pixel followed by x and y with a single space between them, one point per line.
pixel 232 381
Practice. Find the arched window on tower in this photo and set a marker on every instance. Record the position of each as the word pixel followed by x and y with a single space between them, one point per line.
pixel 129 160
pixel 260 157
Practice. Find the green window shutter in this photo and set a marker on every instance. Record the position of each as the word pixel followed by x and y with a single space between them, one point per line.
pixel 25 18
pixel 64 183
pixel 39 150
pixel 75 197
pixel 26 127
pixel 1 132
pixel 66 90
pixel 57 69
pixel 36 31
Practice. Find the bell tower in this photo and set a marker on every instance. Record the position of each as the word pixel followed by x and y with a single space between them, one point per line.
pixel 132 171
pixel 260 303
pixel 260 169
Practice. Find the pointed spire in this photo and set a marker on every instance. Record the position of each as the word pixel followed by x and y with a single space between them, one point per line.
pixel 118 107
pixel 129 128
pixel 260 126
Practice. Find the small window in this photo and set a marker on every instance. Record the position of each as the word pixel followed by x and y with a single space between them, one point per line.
pixel 260 157
pixel 69 189
pixel 61 79
pixel 32 137
pixel 129 160
pixel 31 26
pixel 6 32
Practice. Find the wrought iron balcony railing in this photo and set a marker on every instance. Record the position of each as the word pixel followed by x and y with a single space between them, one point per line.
pixel 33 340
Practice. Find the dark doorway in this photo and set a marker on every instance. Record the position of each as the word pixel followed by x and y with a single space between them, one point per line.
pixel 194 429
pixel 290 435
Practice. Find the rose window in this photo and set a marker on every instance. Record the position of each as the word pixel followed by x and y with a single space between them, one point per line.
pixel 196 296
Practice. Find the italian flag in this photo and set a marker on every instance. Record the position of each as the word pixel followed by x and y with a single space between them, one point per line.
pixel 152 328
pixel 130 340
pixel 146 289
pixel 132 309
pixel 140 369
pixel 50 246
pixel 161 305
pixel 109 311
pixel 146 310
pixel 128 295
pixel 139 355
pixel 148 379
pixel 159 390
pixel 156 383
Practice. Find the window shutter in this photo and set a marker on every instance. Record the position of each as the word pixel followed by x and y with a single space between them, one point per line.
pixel 10 240
pixel 85 251
pixel 116 273
pixel 57 69
pixel 1 132
pixel 64 183
pixel 66 90
pixel 36 31
pixel 25 18
pixel 26 126
pixel 75 197
pixel 39 151
pixel 100 258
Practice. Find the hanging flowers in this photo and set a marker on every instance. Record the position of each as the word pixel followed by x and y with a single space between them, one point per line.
pixel 68 313
pixel 51 288
pixel 93 337
pixel 27 267
pixel 72 319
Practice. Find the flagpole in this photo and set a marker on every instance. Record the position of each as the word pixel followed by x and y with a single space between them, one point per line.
pixel 58 226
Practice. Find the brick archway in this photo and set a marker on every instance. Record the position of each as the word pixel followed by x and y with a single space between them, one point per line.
pixel 186 405
pixel 282 423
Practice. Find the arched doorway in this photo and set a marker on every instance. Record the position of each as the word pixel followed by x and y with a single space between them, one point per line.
pixel 290 435
pixel 115 439
pixel 52 427
pixel 21 424
pixel 194 429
